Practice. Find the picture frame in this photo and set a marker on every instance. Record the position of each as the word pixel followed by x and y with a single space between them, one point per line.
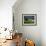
pixel 29 19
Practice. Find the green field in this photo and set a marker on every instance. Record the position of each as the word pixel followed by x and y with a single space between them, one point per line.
pixel 29 21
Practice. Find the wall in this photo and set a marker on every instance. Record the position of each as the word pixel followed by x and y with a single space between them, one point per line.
pixel 6 13
pixel 28 7
pixel 43 22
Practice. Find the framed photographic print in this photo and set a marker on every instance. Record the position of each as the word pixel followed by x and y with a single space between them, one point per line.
pixel 29 19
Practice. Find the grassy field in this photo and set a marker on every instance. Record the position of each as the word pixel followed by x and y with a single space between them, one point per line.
pixel 29 21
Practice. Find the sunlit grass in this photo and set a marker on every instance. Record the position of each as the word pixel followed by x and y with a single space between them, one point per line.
pixel 29 21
